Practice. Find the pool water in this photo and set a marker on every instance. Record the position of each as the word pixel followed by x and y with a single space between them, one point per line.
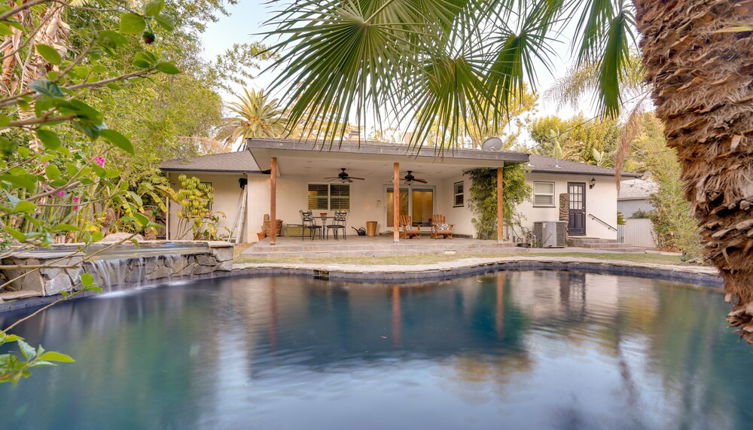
pixel 517 350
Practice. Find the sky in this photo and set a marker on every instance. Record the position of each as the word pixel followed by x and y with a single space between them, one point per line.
pixel 245 22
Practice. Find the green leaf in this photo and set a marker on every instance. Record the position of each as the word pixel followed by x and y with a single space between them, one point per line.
pixel 15 233
pixel 56 356
pixel 65 227
pixel 130 23
pixel 26 180
pixel 87 280
pixel 165 22
pixel 5 30
pixel 111 39
pixel 49 139
pixel 26 349
pixel 48 53
pixel 154 7
pixel 24 206
pixel 142 220
pixel 47 88
pixel 52 172
pixel 168 67
pixel 118 140
pixel 5 120
pixel 144 59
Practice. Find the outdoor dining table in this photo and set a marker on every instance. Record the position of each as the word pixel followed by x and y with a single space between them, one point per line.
pixel 324 219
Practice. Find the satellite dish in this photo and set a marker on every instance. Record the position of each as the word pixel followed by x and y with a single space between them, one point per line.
pixel 492 144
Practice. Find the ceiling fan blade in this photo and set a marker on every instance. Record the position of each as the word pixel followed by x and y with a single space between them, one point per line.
pixel 332 177
pixel 360 179
pixel 423 181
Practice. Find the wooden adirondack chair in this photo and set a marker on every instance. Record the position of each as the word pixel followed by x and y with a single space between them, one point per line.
pixel 439 227
pixel 407 229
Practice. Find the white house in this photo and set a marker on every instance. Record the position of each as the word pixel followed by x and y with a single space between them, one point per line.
pixel 635 195
pixel 304 173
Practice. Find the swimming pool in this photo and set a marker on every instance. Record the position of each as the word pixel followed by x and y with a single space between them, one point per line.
pixel 519 350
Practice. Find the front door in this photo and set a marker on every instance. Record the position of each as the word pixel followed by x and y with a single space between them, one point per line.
pixel 577 214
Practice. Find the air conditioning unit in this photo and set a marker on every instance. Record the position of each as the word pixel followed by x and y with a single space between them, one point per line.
pixel 550 234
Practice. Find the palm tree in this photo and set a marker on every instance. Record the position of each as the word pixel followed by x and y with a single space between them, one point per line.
pixel 256 115
pixel 451 65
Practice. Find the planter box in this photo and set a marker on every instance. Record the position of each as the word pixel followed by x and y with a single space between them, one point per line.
pixel 293 230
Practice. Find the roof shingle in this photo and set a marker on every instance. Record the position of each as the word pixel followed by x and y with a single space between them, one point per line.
pixel 542 164
pixel 231 162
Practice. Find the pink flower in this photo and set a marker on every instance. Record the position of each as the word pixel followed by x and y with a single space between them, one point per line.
pixel 60 194
pixel 100 160
pixel 76 199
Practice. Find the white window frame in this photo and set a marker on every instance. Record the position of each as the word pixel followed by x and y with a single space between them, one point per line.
pixel 329 196
pixel 553 204
pixel 455 194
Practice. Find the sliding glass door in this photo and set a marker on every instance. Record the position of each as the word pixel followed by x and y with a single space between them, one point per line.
pixel 403 204
pixel 418 202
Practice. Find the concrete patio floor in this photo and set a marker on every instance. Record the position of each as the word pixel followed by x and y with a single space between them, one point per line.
pixel 380 246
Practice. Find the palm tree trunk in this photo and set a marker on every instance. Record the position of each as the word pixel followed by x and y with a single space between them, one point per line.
pixel 701 70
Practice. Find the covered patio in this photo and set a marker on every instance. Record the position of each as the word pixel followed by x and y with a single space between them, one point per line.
pixel 383 182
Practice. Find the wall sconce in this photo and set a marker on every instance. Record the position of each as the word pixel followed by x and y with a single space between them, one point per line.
pixel 379 203
pixel 591 183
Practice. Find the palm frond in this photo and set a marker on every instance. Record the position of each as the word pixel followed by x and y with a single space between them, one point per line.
pixel 615 60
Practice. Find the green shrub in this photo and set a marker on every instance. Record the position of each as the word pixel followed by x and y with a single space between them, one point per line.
pixel 483 197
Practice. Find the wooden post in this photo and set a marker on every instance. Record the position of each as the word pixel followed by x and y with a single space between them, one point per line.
pixel 396 202
pixel 500 204
pixel 273 201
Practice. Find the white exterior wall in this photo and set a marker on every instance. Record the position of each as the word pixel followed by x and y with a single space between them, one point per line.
pixel 601 201
pixel 460 217
pixel 368 202
pixel 227 192
pixel 629 207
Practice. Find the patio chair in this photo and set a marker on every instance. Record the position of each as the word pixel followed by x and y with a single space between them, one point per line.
pixel 439 227
pixel 407 229
pixel 338 223
pixel 308 223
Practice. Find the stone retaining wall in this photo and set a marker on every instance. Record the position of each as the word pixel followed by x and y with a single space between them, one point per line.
pixel 110 273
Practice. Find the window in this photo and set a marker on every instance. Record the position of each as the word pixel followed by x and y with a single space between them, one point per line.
pixel 339 197
pixel 543 194
pixel 459 198
pixel 329 197
pixel 319 196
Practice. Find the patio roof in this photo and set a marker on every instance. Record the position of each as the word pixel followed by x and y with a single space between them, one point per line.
pixel 264 149
pixel 256 158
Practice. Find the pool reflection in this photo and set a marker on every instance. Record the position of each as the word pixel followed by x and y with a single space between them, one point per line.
pixel 505 350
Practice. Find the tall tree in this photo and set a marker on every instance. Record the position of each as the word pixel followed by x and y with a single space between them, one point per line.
pixel 700 72
pixel 578 138
pixel 255 115
pixel 449 65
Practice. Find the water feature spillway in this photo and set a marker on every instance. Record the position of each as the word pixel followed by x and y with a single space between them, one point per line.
pixel 517 350
pixel 122 266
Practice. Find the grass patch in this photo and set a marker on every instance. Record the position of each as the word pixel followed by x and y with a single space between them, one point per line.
pixel 439 258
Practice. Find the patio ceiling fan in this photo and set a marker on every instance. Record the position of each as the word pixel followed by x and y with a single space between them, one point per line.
pixel 344 176
pixel 409 178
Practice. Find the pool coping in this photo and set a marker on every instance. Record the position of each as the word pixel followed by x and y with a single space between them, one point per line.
pixel 697 275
